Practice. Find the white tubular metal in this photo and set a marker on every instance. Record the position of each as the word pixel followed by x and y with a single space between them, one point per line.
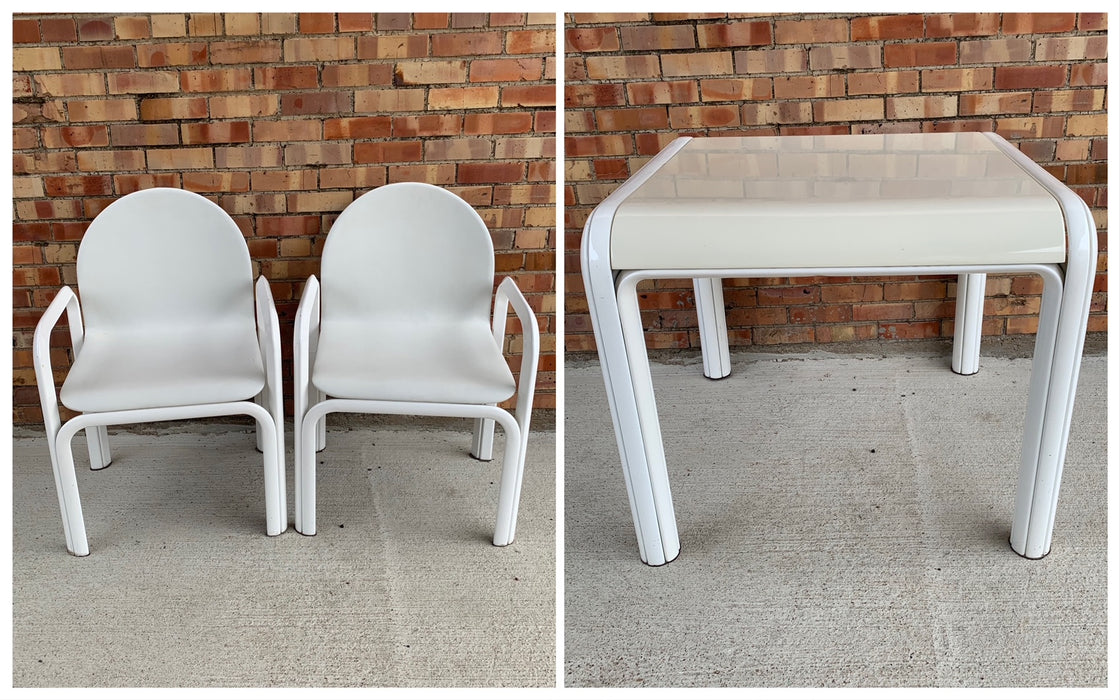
pixel 97 437
pixel 714 347
pixel 510 483
pixel 305 339
pixel 599 284
pixel 969 324
pixel 72 520
pixel 509 294
pixel 1057 363
pixel 268 335
pixel 482 443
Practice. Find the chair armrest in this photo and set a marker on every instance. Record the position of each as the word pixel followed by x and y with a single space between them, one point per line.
pixel 508 295
pixel 304 343
pixel 65 301
pixel 268 331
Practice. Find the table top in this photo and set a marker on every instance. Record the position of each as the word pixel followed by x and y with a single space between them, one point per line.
pixel 866 200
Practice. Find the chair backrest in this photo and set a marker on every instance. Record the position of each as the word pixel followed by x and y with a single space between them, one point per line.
pixel 164 257
pixel 407 251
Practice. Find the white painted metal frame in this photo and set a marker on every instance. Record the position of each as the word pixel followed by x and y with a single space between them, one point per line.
pixel 270 420
pixel 619 337
pixel 312 407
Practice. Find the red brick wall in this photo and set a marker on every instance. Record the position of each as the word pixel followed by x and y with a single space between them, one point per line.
pixel 282 119
pixel 635 81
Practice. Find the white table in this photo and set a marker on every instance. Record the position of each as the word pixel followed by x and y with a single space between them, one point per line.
pixel 899 204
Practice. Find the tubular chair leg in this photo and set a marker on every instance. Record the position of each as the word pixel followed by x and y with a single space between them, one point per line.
pixel 482 447
pixel 513 467
pixel 97 442
pixel 308 427
pixel 66 482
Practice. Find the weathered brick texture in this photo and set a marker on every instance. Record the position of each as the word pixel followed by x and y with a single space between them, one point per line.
pixel 636 81
pixel 282 119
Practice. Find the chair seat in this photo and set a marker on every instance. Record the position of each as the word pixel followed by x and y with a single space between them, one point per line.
pixel 175 367
pixel 432 362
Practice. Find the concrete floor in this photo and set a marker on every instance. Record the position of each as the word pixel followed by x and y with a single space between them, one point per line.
pixel 844 522
pixel 400 587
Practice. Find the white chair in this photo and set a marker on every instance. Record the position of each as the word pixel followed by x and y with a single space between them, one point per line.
pixel 402 325
pixel 166 330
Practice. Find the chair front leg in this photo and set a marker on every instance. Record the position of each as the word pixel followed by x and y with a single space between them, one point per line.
pixel 66 483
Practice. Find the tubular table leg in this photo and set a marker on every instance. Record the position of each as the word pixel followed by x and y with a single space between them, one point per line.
pixel 710 312
pixel 969 323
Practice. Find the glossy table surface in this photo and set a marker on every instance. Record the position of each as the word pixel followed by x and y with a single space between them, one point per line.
pixel 861 200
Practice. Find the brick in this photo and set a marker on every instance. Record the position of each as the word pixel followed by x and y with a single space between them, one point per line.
pixel 668 92
pixel 733 34
pixel 168 25
pixel 1068 149
pixel 467 44
pixel 278 23
pixel 657 38
pixel 318 153
pixel 131 183
pixel 817 31
pixel 530 41
pixel 388 152
pixel 1029 127
pixel 957 79
pixel 320 102
pixel 160 109
pixel 506 70
pixel 1068 101
pixel 590 39
pixel 498 123
pixel 1038 22
pixel 428 125
pixel 1032 77
pixel 472 173
pixel 709 116
pixel 78 186
pixel 111 161
pixel 962 24
pixel 395 100
pixel 632 119
pixel 58 30
pixel 132 28
pixel 690 64
pixel 921 107
pixel 180 158
pixel 270 156
pixel 1089 21
pixel 995 51
pixel 481 97
pixel 251 51
pixel 1088 74
pixel 25 31
pixel 178 54
pixel 318 49
pixel 222 80
pixel 606 145
pixel 995 103
pixel 145 135
pixel 235 106
pixel 771 61
pixel 70 84
pixel 1087 125
pixel 848 110
pixel 532 148
pixel 360 75
pixel 216 132
pixel 101 110
pixel 598 95
pixel 887 27
pixel 95 30
pixel 528 96
pixel 286 77
pixel 216 182
pixel 882 83
pixel 242 24
pixel 925 54
pixel 457 149
pixel 622 67
pixel 98 57
pixel 287 130
pixel 34 59
pixel 204 24
pixel 143 82
pixel 800 87
pixel 431 72
pixel 761 113
pixel 316 23
pixel 845 57
pixel 1073 48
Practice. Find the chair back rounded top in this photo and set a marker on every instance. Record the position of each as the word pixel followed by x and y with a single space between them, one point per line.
pixel 166 257
pixel 407 251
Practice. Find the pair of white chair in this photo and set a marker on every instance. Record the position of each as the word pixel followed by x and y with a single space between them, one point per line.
pixel 401 324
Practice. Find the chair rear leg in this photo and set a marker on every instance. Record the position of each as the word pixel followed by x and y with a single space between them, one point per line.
pixel 97 442
pixel 482 446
